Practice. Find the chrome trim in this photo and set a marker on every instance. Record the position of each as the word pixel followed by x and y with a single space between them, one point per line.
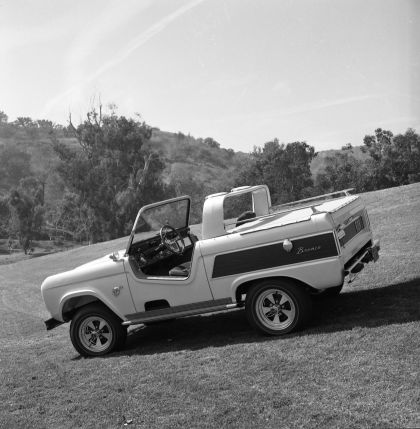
pixel 180 311
pixel 346 193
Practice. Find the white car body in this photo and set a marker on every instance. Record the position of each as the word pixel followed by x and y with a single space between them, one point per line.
pixel 313 245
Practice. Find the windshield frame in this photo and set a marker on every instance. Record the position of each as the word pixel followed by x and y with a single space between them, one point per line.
pixel 154 205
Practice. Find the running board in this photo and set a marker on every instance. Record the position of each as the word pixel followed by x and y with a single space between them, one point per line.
pixel 179 311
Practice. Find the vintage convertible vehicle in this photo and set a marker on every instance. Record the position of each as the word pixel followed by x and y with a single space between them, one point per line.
pixel 270 261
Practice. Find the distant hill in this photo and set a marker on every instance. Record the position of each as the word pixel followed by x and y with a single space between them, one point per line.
pixel 188 154
pixel 183 155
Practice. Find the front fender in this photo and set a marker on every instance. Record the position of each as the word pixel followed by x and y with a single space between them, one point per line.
pixel 103 280
pixel 89 292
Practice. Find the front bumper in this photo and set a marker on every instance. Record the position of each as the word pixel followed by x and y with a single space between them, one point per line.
pixel 52 323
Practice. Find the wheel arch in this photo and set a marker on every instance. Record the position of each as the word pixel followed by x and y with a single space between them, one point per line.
pixel 71 303
pixel 243 287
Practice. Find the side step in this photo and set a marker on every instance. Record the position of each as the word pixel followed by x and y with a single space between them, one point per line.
pixel 180 311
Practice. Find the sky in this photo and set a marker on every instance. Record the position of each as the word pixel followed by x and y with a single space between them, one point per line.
pixel 243 72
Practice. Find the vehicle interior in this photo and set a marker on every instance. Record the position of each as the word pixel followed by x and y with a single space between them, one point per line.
pixel 161 243
pixel 167 256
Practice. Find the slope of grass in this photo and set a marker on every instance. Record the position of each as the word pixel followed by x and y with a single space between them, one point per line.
pixel 355 366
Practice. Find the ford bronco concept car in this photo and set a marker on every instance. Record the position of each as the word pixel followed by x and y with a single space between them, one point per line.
pixel 248 255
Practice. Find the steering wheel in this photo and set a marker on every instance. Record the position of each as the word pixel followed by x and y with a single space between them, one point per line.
pixel 172 240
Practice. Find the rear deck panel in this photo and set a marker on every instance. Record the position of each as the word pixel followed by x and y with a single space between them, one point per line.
pixel 274 255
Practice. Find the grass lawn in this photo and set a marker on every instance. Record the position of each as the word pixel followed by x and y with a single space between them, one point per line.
pixel 355 366
pixel 38 248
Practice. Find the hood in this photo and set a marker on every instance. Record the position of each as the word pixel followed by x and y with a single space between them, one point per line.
pixel 100 261
pixel 98 268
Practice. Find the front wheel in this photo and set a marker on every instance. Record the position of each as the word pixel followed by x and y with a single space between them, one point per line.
pixel 277 307
pixel 96 331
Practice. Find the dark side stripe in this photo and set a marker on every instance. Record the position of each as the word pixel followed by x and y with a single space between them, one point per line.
pixel 260 258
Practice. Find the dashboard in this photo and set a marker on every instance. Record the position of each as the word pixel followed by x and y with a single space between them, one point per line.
pixel 151 251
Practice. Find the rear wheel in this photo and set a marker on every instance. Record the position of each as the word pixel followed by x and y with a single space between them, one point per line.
pixel 96 331
pixel 277 307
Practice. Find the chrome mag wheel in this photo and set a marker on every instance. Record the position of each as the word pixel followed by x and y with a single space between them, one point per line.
pixel 95 334
pixel 277 306
pixel 95 330
pixel 275 309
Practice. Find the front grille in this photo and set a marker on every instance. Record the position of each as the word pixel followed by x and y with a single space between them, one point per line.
pixel 352 229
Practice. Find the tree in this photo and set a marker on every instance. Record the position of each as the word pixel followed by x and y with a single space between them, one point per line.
pixel 394 160
pixel 4 216
pixel 285 168
pixel 146 187
pixel 112 174
pixel 407 157
pixel 15 164
pixel 211 143
pixel 70 217
pixel 28 125
pixel 379 147
pixel 343 171
pixel 298 169
pixel 3 118
pixel 24 122
pixel 26 212
pixel 184 182
pixel 46 126
pixel 6 129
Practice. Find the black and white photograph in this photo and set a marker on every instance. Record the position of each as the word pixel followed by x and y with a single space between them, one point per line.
pixel 209 214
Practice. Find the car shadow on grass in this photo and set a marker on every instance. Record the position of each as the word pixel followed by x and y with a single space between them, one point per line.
pixel 376 307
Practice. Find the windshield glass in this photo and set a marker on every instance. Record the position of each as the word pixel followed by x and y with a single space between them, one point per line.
pixel 151 219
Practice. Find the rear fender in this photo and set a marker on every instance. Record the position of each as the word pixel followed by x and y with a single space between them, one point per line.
pixel 243 286
pixel 317 275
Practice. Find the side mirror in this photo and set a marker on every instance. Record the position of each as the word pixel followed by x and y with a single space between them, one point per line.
pixel 114 256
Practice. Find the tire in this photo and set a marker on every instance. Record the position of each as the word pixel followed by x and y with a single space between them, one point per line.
pixel 328 293
pixel 96 331
pixel 277 307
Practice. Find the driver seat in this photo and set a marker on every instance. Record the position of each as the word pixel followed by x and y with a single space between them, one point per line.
pixel 182 270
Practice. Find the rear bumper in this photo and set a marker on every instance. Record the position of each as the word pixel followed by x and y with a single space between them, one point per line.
pixel 372 253
pixel 52 323
pixel 366 255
